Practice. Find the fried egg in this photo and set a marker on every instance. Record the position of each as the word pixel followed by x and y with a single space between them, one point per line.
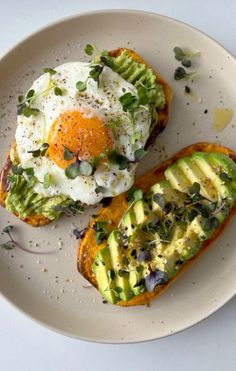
pixel 83 122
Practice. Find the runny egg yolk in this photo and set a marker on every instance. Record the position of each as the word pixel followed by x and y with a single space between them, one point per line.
pixel 86 137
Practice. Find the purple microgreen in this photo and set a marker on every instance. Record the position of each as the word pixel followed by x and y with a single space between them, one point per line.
pixel 79 233
pixel 11 243
pixel 154 279
pixel 144 256
pixel 159 199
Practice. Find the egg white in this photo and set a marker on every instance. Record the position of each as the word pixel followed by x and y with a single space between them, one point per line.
pixel 103 102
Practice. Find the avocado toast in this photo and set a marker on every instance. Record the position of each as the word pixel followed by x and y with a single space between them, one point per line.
pixel 139 244
pixel 17 184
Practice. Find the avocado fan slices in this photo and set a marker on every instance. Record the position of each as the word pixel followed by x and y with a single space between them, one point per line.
pixel 159 233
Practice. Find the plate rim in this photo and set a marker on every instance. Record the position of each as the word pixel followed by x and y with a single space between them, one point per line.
pixel 46 27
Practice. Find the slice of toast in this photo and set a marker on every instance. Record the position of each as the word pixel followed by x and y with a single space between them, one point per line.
pixel 40 220
pixel 87 247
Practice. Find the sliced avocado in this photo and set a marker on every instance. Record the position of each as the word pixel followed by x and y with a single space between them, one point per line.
pixel 177 178
pixel 135 278
pixel 117 259
pixel 189 243
pixel 101 266
pixel 201 160
pixel 170 194
pixel 195 174
pixel 129 223
pixel 170 253
pixel 158 241
pixel 224 165
pixel 23 200
pixel 141 211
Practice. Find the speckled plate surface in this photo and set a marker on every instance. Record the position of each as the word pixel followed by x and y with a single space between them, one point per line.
pixel 48 287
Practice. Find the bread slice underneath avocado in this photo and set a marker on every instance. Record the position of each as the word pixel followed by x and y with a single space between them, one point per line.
pixel 104 264
pixel 128 61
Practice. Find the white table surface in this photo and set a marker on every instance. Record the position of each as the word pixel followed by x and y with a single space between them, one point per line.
pixel 24 345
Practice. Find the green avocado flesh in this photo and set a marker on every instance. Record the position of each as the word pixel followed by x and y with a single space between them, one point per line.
pixel 158 234
pixel 139 75
pixel 23 200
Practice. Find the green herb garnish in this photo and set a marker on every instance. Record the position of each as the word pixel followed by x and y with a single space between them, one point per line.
pixel 183 57
pixel 129 102
pixel 81 86
pixel 29 171
pixel 73 170
pixel 78 168
pixel 210 224
pixel 27 111
pixel 95 72
pixel 116 158
pixel 180 73
pixel 225 177
pixel 85 168
pixel 139 154
pixel 143 95
pixel 134 194
pixel 21 98
pixel 11 243
pixel 57 91
pixel 67 154
pixel 194 192
pixel 24 106
pixel 100 232
pixel 17 170
pixel 108 61
pixel 51 71
pixel 30 94
pixel 111 274
pixel 89 49
pixel 123 273
pixel 41 151
pixel 100 189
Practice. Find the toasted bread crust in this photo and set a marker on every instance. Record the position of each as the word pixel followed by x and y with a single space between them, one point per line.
pixel 40 220
pixel 87 248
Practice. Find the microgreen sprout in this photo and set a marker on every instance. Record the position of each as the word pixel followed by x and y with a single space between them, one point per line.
pixel 184 57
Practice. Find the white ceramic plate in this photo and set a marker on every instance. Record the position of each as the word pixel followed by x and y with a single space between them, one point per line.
pixel 48 288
